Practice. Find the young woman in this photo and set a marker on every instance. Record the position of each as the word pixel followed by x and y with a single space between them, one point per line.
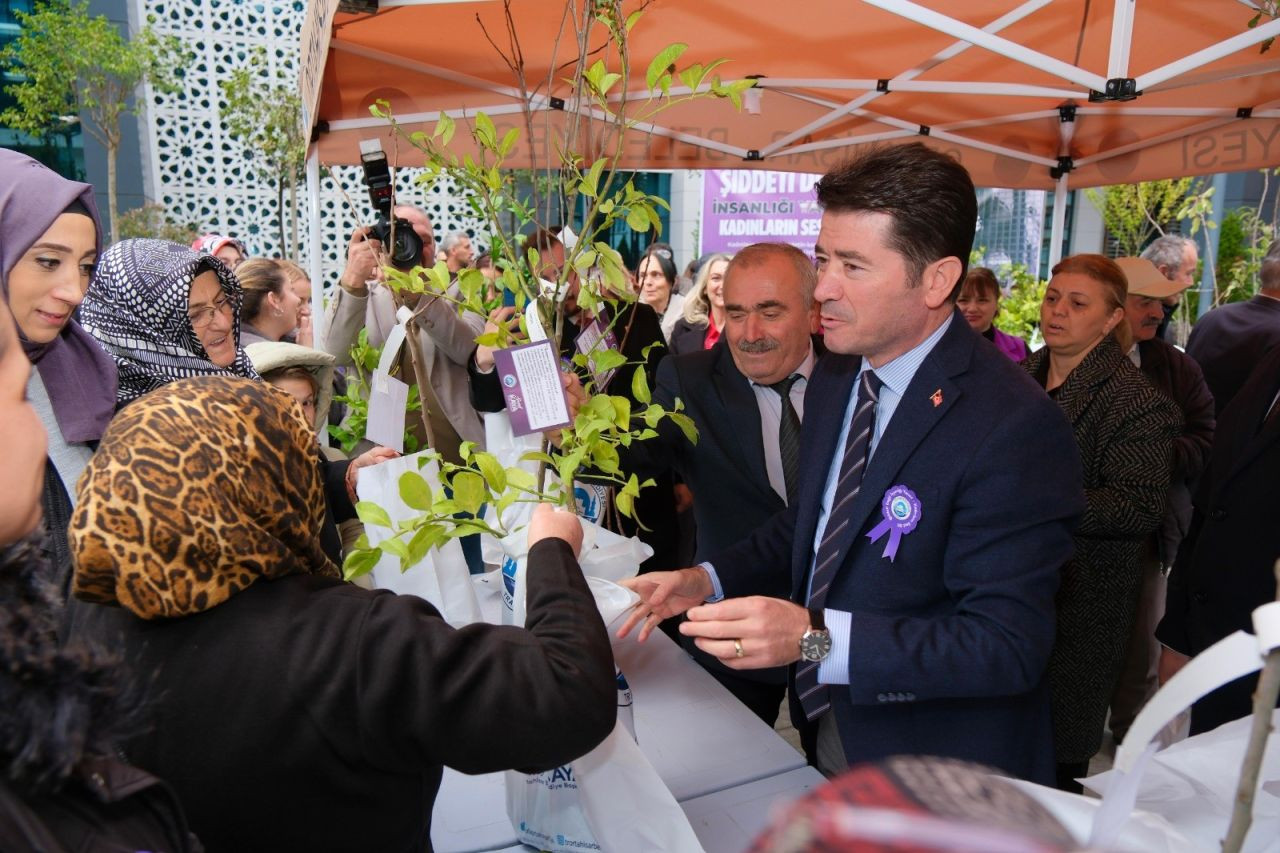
pixel 49 240
pixel 979 302
pixel 272 308
pixel 656 276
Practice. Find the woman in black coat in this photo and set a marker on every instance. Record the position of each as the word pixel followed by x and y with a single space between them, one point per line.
pixel 292 711
pixel 1125 429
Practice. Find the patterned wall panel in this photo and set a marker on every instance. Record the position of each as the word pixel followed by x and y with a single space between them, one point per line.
pixel 204 176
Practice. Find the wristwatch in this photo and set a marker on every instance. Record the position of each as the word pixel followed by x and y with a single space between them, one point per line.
pixel 815 644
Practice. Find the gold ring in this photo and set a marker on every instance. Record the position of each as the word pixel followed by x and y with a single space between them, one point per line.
pixel 737 648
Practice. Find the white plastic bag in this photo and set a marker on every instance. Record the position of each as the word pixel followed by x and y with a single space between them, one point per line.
pixel 442 576
pixel 610 799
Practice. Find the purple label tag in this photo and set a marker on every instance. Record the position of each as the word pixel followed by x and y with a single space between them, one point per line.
pixel 594 332
pixel 901 510
pixel 530 380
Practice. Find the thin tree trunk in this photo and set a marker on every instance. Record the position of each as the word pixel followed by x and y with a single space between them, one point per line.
pixel 280 211
pixel 112 208
pixel 296 253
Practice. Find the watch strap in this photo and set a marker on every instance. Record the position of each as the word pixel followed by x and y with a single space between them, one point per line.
pixel 817 622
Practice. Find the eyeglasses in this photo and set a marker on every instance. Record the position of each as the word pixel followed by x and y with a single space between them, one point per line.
pixel 202 317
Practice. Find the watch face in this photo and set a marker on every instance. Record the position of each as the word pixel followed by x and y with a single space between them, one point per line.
pixel 815 645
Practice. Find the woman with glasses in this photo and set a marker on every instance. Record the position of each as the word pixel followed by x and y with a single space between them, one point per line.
pixel 49 241
pixel 165 312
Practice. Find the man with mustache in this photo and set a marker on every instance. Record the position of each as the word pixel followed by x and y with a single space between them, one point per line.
pixel 939 487
pixel 747 397
pixel 1180 379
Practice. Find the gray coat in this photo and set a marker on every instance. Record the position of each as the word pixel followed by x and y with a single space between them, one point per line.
pixel 445 341
pixel 1124 429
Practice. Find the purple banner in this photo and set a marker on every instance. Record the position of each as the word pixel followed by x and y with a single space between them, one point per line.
pixel 741 207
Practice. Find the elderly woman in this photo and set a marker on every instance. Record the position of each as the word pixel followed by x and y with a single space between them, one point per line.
pixel 293 711
pixel 64 704
pixel 979 302
pixel 1125 429
pixel 49 240
pixel 166 313
pixel 703 311
pixel 656 277
pixel 272 309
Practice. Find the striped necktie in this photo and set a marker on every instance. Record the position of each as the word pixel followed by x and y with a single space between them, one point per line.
pixel 814 697
pixel 789 436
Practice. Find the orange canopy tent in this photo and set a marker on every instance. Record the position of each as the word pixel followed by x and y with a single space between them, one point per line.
pixel 1039 94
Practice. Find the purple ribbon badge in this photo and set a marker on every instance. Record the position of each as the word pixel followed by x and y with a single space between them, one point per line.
pixel 901 509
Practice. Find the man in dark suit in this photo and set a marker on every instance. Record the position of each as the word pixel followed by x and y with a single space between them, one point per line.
pixel 1225 567
pixel 1179 378
pixel 747 452
pixel 1230 340
pixel 939 489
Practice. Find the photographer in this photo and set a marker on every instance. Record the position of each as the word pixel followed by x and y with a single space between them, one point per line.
pixel 444 340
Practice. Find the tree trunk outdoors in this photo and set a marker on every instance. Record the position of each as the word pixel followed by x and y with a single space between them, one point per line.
pixel 112 149
pixel 293 216
pixel 280 211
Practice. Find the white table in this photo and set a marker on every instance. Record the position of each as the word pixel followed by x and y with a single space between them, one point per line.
pixel 699 738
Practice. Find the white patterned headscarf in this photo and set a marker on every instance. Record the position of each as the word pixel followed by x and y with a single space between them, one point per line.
pixel 137 309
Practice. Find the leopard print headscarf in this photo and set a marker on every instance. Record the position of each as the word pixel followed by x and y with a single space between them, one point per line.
pixel 198 490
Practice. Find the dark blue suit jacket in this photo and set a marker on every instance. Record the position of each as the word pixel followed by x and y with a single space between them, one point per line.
pixel 950 642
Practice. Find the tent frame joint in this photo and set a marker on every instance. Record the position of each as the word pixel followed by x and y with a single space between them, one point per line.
pixel 555 103
pixel 1067 112
pixel 1244 112
pixel 925 130
pixel 318 129
pixel 1065 165
pixel 1118 89
pixel 882 85
pixel 753 155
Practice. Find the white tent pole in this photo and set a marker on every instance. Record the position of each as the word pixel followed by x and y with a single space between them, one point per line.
pixel 1059 220
pixel 424 68
pixel 314 259
pixel 1248 38
pixel 990 121
pixel 844 142
pixel 959 47
pixel 1236 72
pixel 422 118
pixel 1153 141
pixel 918 14
pixel 1121 39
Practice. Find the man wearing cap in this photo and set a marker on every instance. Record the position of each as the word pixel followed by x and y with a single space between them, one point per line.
pixel 1180 379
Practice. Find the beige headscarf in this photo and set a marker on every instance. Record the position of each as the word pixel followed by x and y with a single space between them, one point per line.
pixel 198 490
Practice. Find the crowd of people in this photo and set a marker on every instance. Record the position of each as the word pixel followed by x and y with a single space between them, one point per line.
pixel 924 537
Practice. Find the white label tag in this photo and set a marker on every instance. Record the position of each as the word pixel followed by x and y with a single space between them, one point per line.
pixel 388 398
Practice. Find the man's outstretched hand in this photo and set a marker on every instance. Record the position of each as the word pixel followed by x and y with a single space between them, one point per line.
pixel 663 595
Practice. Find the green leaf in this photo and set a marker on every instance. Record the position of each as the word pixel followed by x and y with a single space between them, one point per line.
pixel 591 181
pixel 663 62
pixel 370 513
pixel 686 426
pixel 469 491
pixel 394 546
pixel 640 386
pixel 494 474
pixel 625 504
pixel 521 479
pixel 485 133
pixel 508 142
pixel 445 127
pixel 621 411
pixel 606 360
pixel 359 563
pixel 427 537
pixel 415 491
pixel 633 18
pixel 638 219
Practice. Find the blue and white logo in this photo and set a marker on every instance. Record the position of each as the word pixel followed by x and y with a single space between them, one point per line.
pixel 509 567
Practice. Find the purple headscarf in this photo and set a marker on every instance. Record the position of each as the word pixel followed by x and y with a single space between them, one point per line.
pixel 78 375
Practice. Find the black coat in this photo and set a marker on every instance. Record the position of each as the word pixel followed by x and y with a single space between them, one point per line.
pixel 687 337
pixel 1124 429
pixel 1230 340
pixel 309 714
pixel 1179 378
pixel 1225 567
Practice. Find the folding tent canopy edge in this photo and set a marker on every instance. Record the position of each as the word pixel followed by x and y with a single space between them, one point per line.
pixel 1186 71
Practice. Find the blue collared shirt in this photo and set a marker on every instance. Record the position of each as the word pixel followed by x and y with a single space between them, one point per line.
pixel 896 375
